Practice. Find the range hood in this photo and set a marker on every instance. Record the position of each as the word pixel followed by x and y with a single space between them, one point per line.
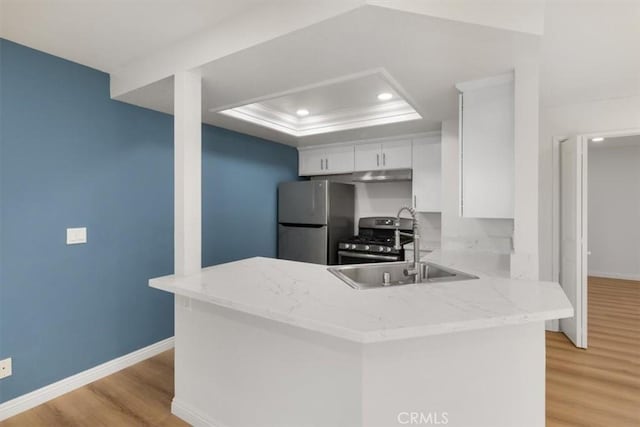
pixel 382 176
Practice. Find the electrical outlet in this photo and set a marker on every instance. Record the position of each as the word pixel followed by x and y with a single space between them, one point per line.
pixel 5 368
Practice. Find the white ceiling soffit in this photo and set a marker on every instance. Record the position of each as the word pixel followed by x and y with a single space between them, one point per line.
pixel 270 19
pixel 426 56
pixel 525 16
pixel 349 102
pixel 259 24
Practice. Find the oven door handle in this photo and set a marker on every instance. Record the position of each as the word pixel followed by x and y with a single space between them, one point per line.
pixel 368 256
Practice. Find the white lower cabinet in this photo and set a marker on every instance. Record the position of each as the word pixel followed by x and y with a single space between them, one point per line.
pixel 427 174
pixel 325 160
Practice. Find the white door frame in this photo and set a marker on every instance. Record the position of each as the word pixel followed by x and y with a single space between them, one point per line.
pixel 556 207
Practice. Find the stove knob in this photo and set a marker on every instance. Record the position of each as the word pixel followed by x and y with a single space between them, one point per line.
pixel 380 248
pixel 354 246
pixel 366 247
pixel 388 249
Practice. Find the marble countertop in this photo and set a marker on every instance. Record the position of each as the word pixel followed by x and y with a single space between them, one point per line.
pixel 309 296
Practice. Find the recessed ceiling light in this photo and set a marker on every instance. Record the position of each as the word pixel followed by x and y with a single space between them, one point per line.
pixel 597 139
pixel 302 112
pixel 385 96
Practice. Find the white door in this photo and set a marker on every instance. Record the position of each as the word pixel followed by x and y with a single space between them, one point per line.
pixel 396 154
pixel 573 236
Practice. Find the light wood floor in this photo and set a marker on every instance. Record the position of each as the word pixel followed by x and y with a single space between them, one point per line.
pixel 598 387
pixel 137 396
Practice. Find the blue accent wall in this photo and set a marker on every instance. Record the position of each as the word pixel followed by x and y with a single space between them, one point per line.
pixel 72 157
pixel 239 194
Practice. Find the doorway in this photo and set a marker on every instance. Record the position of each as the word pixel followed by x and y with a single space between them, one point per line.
pixel 608 188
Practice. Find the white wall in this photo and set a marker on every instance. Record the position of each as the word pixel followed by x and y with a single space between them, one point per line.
pixel 386 198
pixel 614 210
pixel 489 235
pixel 382 198
pixel 566 120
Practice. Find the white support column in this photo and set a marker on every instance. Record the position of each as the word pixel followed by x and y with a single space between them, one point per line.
pixel 187 172
pixel 525 259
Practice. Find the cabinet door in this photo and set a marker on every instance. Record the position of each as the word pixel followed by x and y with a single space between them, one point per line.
pixel 396 154
pixel 427 174
pixel 368 157
pixel 487 152
pixel 311 162
pixel 338 159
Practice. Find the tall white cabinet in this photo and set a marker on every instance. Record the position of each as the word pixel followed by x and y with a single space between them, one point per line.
pixel 487 147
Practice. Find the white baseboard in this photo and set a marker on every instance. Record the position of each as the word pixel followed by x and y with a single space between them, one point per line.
pixel 192 416
pixel 51 391
pixel 552 325
pixel 622 276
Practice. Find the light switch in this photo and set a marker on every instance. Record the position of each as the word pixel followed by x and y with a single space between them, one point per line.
pixel 76 235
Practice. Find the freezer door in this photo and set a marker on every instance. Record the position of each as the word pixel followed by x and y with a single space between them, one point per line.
pixel 303 202
pixel 306 244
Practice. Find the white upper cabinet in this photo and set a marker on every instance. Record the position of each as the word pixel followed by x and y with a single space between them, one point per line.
pixel 487 147
pixel 427 174
pixel 339 159
pixel 325 160
pixel 368 157
pixel 396 154
pixel 386 155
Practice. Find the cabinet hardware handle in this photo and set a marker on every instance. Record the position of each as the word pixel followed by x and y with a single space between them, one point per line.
pixel 384 159
pixel 326 164
pixel 321 164
pixel 377 159
pixel 415 201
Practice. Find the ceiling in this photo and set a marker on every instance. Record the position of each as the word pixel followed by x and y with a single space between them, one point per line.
pixel 107 34
pixel 255 49
pixel 616 142
pixel 353 102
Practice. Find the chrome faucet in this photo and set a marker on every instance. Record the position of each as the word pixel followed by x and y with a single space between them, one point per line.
pixel 417 270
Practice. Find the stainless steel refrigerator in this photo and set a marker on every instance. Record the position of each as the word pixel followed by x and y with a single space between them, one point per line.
pixel 312 217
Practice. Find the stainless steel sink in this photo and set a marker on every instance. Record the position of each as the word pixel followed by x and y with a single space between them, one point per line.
pixel 380 275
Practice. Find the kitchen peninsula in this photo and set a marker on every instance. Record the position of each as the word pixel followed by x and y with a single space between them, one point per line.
pixel 279 343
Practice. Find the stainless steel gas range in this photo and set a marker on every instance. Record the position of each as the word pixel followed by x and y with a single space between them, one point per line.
pixel 375 241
